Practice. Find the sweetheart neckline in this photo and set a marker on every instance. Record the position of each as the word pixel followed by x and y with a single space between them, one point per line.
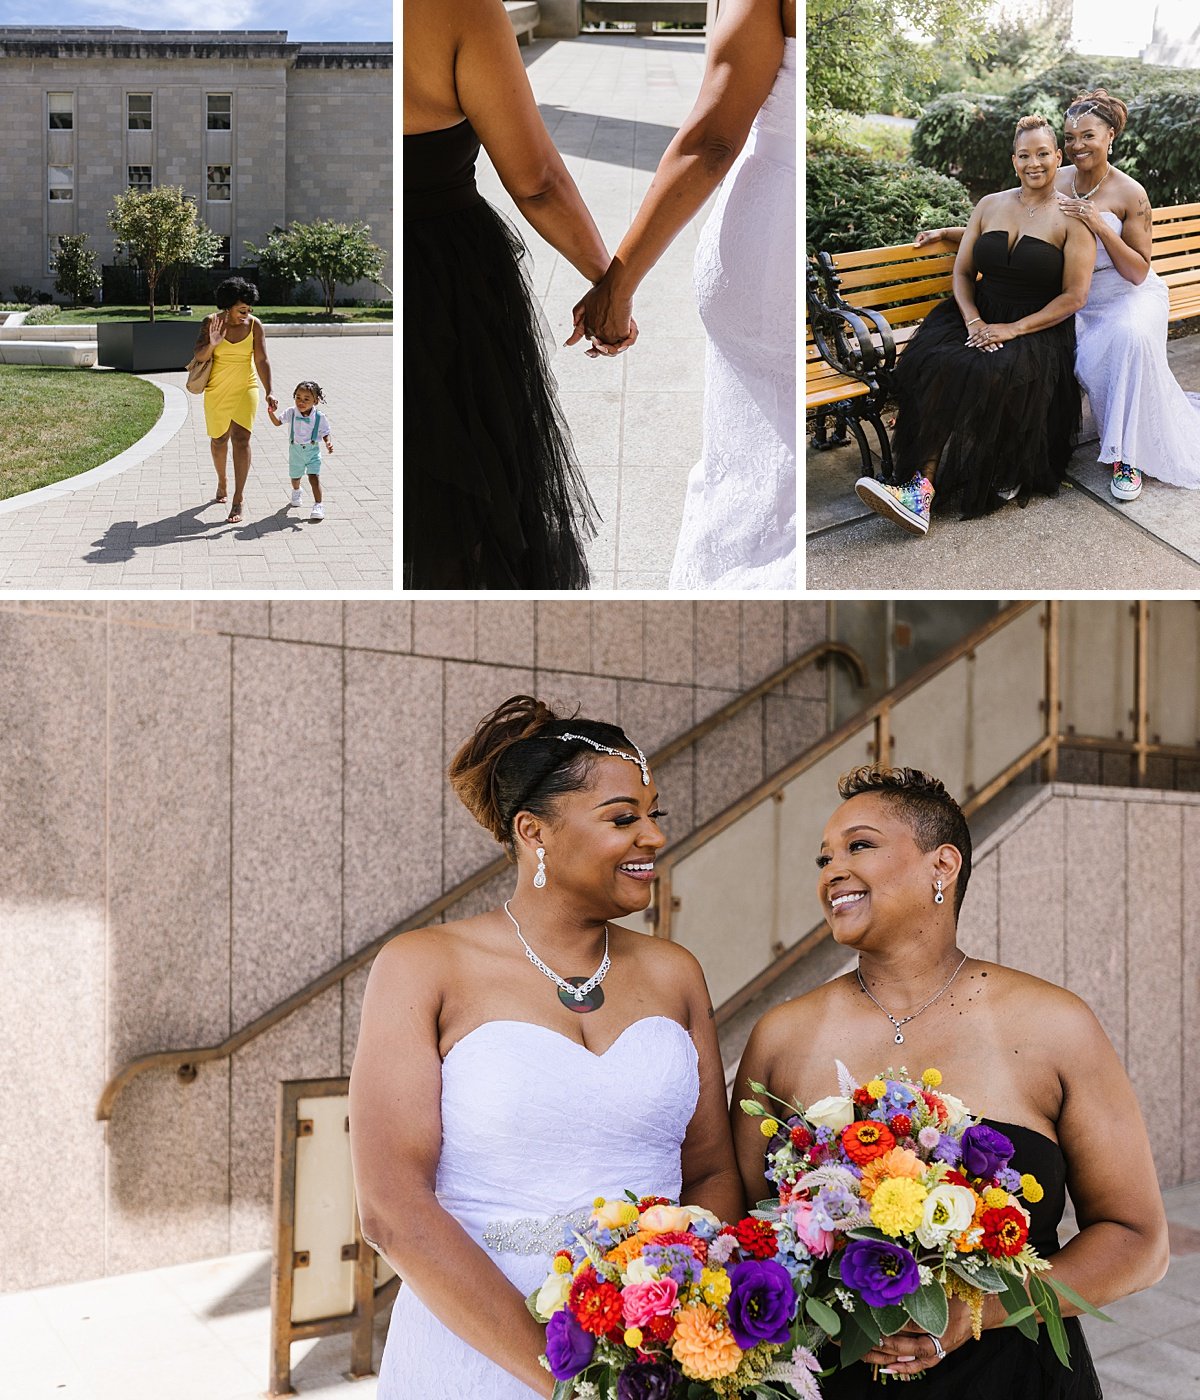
pixel 537 1026
pixel 1024 238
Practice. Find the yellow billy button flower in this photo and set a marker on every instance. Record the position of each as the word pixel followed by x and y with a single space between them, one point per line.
pixel 1031 1188
pixel 768 1127
pixel 876 1088
pixel 931 1078
pixel 562 1263
pixel 633 1337
pixel 994 1198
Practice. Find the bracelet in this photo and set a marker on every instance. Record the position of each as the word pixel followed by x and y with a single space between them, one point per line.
pixel 973 319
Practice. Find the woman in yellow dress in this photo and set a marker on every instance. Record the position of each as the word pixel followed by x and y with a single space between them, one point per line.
pixel 234 341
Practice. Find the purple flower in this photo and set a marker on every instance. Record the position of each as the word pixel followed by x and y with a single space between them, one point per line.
pixel 678 1261
pixel 1009 1179
pixel 568 1347
pixel 761 1303
pixel 880 1272
pixel 643 1381
pixel 985 1151
pixel 947 1150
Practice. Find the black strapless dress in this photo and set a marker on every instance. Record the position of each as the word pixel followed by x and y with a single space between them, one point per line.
pixel 493 497
pixel 1008 416
pixel 1002 1365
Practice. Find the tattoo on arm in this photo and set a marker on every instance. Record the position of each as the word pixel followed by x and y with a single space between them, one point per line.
pixel 711 1013
pixel 1143 210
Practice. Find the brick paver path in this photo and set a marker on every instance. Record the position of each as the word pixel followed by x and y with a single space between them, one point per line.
pixel 155 525
pixel 611 104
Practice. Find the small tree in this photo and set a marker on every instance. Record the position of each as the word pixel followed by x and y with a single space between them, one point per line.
pixel 326 251
pixel 74 266
pixel 204 252
pixel 157 228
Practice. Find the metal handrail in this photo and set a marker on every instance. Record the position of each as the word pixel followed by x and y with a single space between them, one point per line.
pixel 186 1062
pixel 878 714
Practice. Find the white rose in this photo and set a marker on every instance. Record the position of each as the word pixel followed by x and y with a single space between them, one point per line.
pixel 699 1213
pixel 954 1107
pixel 833 1112
pixel 553 1294
pixel 639 1271
pixel 948 1211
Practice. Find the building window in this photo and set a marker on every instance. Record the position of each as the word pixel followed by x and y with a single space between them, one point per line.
pixel 140 177
pixel 62 111
pixel 218 183
pixel 140 111
pixel 62 182
pixel 220 111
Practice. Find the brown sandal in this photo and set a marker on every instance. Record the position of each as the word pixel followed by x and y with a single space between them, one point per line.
pixel 235 514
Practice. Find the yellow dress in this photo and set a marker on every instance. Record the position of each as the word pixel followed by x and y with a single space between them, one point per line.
pixel 232 392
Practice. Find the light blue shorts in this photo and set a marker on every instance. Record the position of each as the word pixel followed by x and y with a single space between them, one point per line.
pixel 304 459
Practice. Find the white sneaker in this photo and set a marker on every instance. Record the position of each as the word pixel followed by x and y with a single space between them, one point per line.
pixel 318 511
pixel 296 497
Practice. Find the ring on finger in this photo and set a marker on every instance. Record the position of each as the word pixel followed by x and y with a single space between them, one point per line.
pixel 938 1348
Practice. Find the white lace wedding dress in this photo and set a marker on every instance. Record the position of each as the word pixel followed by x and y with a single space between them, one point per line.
pixel 535 1127
pixel 1144 418
pixel 739 515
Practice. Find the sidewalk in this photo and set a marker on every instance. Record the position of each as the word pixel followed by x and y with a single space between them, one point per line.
pixel 154 525
pixel 612 103
pixel 1080 539
pixel 202 1332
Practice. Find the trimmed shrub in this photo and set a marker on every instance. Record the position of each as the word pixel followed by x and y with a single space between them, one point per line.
pixel 856 202
pixel 970 137
pixel 41 314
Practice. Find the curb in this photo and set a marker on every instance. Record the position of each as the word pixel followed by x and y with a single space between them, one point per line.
pixel 283 330
pixel 173 417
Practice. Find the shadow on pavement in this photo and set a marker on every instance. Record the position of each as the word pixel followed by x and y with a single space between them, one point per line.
pixel 123 538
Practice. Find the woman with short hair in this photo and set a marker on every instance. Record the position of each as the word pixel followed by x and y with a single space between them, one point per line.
pixel 232 338
pixel 893 867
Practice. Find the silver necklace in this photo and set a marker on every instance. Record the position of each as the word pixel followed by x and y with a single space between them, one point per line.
pixel 904 1020
pixel 573 994
pixel 1042 204
pixel 1094 188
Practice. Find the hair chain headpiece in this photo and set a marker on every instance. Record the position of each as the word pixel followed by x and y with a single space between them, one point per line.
pixel 640 760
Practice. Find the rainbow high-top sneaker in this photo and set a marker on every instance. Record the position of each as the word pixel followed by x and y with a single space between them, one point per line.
pixel 909 505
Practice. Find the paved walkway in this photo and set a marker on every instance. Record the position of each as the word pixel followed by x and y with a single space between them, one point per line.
pixel 154 525
pixel 1080 539
pixel 612 103
pixel 202 1332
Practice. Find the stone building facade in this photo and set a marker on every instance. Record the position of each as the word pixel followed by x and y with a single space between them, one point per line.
pixel 259 131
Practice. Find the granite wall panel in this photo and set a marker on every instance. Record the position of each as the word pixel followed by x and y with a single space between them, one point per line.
pixel 1032 895
pixel 1190 1037
pixel 382 626
pixel 1096 910
pixel 670 642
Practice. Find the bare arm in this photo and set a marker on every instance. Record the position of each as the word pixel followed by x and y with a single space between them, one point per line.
pixel 494 93
pixel 1131 246
pixel 964 267
pixel 744 55
pixel 395 1139
pixel 710 1176
pixel 759 1062
pixel 262 363
pixel 212 331
pixel 939 235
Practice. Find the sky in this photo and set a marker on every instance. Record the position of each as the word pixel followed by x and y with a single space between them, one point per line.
pixel 326 20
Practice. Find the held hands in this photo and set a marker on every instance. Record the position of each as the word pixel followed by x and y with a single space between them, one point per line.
pixel 605 318
pixel 912 1350
pixel 272 407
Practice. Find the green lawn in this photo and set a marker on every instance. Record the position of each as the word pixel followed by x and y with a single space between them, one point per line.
pixel 60 422
pixel 91 315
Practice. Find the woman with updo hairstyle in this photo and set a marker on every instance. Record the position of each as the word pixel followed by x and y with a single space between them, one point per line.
pixel 516 1064
pixel 1146 422
pixel 986 389
pixel 1030 1057
pixel 232 338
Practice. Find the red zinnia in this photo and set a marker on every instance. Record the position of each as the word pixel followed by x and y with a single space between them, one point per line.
pixel 864 1098
pixel 597 1307
pixel 698 1246
pixel 1004 1231
pixel 901 1125
pixel 647 1201
pixel 863 1142
pixel 935 1105
pixel 661 1327
pixel 756 1238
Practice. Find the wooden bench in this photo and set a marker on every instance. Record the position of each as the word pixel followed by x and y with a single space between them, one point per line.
pixel 865 306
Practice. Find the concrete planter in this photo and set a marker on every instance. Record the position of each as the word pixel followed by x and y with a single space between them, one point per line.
pixel 139 347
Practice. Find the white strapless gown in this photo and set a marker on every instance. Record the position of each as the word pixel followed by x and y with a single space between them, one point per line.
pixel 534 1125
pixel 739 515
pixel 1143 416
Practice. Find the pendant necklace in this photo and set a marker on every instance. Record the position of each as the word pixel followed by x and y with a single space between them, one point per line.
pixel 576 993
pixel 904 1020
pixel 1042 204
pixel 1094 188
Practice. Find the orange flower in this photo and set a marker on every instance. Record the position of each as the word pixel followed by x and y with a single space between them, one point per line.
pixel 621 1254
pixel 899 1161
pixel 703 1344
pixel 866 1140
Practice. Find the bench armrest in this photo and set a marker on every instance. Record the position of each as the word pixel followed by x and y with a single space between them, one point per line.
pixel 843 337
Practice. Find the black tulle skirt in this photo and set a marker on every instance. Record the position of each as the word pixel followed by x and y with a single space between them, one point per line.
pixel 493 497
pixel 1004 419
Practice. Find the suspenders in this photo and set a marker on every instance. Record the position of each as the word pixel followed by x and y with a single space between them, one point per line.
pixel 316 429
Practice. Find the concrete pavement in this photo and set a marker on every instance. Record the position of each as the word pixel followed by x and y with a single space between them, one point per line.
pixel 612 103
pixel 1080 539
pixel 153 524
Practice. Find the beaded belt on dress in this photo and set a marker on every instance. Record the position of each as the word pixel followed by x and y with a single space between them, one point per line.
pixel 533 1234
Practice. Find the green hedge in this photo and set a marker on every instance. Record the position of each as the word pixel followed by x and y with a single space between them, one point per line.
pixel 40 315
pixel 970 137
pixel 856 202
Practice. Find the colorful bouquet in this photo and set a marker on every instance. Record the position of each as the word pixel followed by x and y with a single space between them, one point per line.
pixel 895 1199
pixel 655 1301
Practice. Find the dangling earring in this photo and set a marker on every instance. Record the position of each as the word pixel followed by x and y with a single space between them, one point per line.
pixel 938 898
pixel 539 880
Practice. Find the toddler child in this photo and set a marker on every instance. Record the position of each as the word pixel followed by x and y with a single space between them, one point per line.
pixel 306 427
